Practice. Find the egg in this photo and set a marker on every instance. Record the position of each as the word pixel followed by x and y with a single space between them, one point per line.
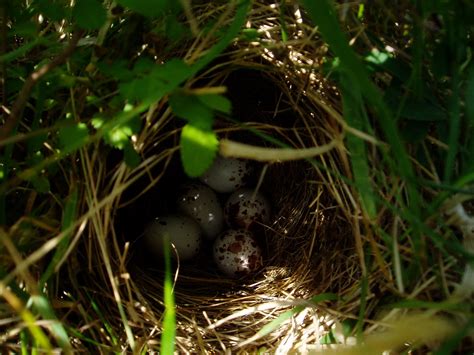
pixel 244 210
pixel 227 174
pixel 201 203
pixel 183 232
pixel 236 253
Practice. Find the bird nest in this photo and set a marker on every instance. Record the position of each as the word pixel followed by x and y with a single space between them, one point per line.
pixel 309 288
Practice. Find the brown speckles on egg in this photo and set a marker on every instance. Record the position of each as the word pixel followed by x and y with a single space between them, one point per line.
pixel 235 247
pixel 236 253
pixel 242 211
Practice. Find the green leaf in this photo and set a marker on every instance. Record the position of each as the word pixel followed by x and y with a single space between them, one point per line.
pixel 73 137
pixel 173 72
pixel 118 69
pixel 149 8
pixel 198 149
pixel 51 9
pixel 250 34
pixel 160 80
pixel 191 108
pixel 41 184
pixel 131 157
pixel 119 136
pixel 421 110
pixel 216 102
pixel 89 14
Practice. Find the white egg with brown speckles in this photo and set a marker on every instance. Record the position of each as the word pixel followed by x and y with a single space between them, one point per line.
pixel 201 203
pixel 181 231
pixel 246 209
pixel 227 174
pixel 236 253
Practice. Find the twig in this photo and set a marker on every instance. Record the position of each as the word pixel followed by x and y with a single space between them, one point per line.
pixel 34 77
pixel 233 149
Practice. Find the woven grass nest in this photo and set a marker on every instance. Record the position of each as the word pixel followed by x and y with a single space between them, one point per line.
pixel 314 244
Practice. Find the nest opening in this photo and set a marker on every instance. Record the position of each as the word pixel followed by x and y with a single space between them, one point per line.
pixel 307 244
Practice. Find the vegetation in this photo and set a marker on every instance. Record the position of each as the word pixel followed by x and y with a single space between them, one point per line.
pixel 98 97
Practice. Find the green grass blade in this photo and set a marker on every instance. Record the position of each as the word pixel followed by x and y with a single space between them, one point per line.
pixel 449 346
pixel 24 341
pixel 108 327
pixel 68 220
pixel 169 319
pixel 352 104
pixel 454 129
pixel 323 14
pixel 42 306
pixel 468 161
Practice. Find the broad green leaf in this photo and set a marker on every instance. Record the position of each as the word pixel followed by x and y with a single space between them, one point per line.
pixel 143 65
pixel 73 137
pixel 144 89
pixel 161 80
pixel 119 136
pixel 198 149
pixel 216 102
pixel 131 157
pixel 173 72
pixel 117 69
pixel 89 14
pixel 51 9
pixel 191 108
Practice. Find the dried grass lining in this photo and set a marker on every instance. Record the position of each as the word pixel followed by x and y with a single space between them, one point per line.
pixel 310 244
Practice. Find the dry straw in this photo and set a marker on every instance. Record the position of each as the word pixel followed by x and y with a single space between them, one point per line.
pixel 315 243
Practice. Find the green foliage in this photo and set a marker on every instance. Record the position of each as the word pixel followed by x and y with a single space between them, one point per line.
pixel 73 137
pixel 89 14
pixel 198 149
pixel 150 8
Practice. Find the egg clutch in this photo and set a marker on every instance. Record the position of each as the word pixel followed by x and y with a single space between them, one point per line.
pixel 232 228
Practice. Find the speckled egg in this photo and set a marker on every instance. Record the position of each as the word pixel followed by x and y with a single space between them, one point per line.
pixel 200 203
pixel 227 174
pixel 244 210
pixel 236 253
pixel 182 231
